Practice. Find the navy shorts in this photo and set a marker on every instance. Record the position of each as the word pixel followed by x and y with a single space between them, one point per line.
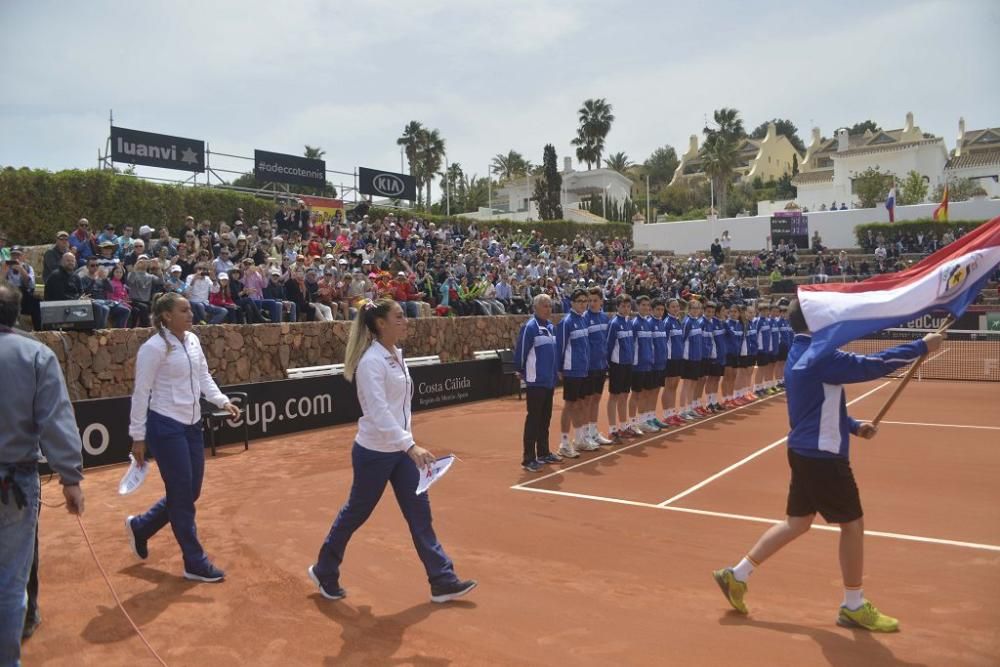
pixel 675 368
pixel 619 378
pixel 745 361
pixel 732 361
pixel 825 485
pixel 576 389
pixel 597 382
pixel 692 370
pixel 763 359
pixel 640 380
pixel 714 370
pixel 782 353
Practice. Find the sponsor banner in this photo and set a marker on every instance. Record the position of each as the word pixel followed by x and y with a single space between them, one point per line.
pixel 157 150
pixel 282 168
pixel 286 406
pixel 386 184
pixel 331 209
pixel 967 322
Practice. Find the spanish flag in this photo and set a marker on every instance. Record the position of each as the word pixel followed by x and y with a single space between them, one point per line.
pixel 941 212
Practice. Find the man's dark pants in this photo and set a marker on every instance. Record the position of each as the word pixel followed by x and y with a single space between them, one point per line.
pixel 536 423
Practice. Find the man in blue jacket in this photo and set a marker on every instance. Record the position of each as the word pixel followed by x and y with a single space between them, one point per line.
pixel 822 480
pixel 535 357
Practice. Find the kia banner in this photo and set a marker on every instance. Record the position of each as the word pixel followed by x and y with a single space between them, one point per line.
pixel 386 184
pixel 157 150
pixel 282 168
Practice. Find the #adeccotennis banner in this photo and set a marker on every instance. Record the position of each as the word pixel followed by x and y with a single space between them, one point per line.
pixel 950 280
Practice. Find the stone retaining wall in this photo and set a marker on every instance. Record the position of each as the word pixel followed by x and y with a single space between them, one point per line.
pixel 102 364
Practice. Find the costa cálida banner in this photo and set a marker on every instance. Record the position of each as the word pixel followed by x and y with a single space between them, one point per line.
pixel 386 184
pixel 283 168
pixel 157 150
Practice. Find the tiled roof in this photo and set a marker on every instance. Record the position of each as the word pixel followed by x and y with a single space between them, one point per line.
pixel 985 137
pixel 974 159
pixel 818 176
pixel 886 147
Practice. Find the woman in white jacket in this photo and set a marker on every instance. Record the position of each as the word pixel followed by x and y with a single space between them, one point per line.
pixel 384 452
pixel 171 375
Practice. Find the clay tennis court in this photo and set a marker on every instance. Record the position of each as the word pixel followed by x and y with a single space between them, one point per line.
pixel 605 560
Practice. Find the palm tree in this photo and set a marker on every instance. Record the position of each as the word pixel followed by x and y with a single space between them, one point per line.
pixel 430 155
pixel 719 156
pixel 453 185
pixel 410 139
pixel 477 192
pixel 618 162
pixel 728 124
pixel 314 152
pixel 510 165
pixel 595 122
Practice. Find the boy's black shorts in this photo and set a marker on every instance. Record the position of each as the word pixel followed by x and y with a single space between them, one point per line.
pixel 640 380
pixel 597 382
pixel 732 361
pixel 763 359
pixel 782 353
pixel 715 370
pixel 659 377
pixel 823 485
pixel 692 370
pixel 675 368
pixel 575 389
pixel 619 378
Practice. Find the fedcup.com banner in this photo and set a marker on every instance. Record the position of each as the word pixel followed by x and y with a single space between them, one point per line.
pixel 286 406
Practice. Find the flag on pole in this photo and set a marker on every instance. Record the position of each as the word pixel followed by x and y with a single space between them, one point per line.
pixel 890 204
pixel 948 280
pixel 941 212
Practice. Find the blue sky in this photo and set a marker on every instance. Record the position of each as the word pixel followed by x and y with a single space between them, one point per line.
pixel 491 76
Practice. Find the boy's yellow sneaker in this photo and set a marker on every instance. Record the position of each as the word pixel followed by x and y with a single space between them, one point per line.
pixel 867 617
pixel 732 588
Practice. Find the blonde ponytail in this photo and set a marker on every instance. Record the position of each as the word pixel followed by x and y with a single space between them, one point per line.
pixel 163 303
pixel 363 333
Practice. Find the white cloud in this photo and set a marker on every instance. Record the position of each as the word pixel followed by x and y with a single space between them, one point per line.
pixel 491 76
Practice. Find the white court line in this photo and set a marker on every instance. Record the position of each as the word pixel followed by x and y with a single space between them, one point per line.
pixel 985 428
pixel 759 519
pixel 615 452
pixel 751 457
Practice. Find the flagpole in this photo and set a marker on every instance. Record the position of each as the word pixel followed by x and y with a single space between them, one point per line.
pixel 909 376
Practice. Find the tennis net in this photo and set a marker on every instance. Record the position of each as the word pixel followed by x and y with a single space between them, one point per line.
pixel 964 356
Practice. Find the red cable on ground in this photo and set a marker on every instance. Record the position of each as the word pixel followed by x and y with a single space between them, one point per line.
pixel 118 601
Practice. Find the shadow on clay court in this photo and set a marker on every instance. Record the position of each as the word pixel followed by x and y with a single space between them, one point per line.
pixel 144 607
pixel 374 640
pixel 844 648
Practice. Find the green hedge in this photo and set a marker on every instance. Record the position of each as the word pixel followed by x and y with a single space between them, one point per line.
pixel 550 229
pixel 925 225
pixel 35 204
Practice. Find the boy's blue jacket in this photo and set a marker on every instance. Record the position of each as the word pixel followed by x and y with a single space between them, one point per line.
pixel 721 340
pixel 762 329
pixel 597 328
pixel 535 353
pixel 817 408
pixel 675 338
pixel 621 342
pixel 643 328
pixel 573 337
pixel 694 338
pixel 735 338
pixel 659 343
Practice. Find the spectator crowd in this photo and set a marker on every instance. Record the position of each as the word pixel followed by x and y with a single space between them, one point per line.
pixel 298 266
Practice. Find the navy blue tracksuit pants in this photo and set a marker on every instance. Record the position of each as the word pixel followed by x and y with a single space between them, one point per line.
pixel 372 470
pixel 179 451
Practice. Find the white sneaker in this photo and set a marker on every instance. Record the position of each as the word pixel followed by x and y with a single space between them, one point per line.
pixel 587 444
pixel 635 430
pixel 601 439
pixel 567 451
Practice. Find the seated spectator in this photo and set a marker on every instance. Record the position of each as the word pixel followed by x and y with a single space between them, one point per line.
pixel 138 250
pixel 142 285
pixel 83 242
pixel 165 244
pixel 222 263
pixel 173 281
pixel 96 285
pixel 320 309
pixel 817 242
pixel 119 291
pixel 242 299
pixel 18 273
pixel 65 285
pixel 254 281
pixel 275 291
pixel 198 290
pixel 222 297
pixel 405 295
pixel 52 259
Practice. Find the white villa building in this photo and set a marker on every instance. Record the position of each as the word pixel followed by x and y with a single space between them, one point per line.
pixel 976 157
pixel 830 165
pixel 513 200
pixel 767 158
